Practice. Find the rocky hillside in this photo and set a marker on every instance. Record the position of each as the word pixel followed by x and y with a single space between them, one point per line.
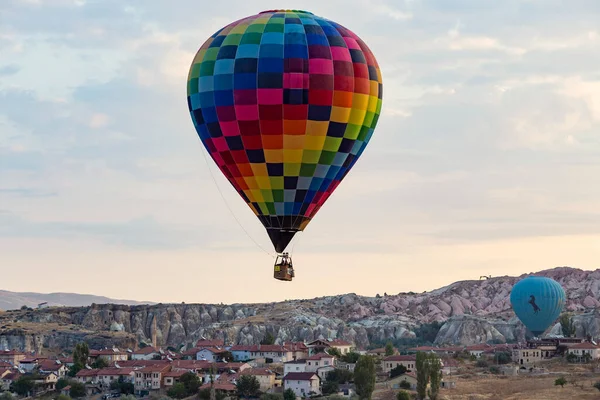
pixel 472 312
pixel 14 300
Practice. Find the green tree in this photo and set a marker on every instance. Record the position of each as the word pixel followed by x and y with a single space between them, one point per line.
pixel 289 394
pixel 364 377
pixel 227 356
pixel 268 339
pixel 435 376
pixel 77 390
pixel 81 354
pixel 482 364
pixel 62 397
pixel 177 391
pixel 560 382
pixel 330 387
pixel 248 386
pixel 502 357
pixel 389 349
pixel 422 374
pixel 399 370
pixel 23 386
pixel 191 382
pixel 100 363
pixel 334 352
pixel 405 385
pixel 271 396
pixel 351 357
pixel 571 358
pixel 61 383
pixel 566 324
pixel 6 396
pixel 402 395
pixel 340 375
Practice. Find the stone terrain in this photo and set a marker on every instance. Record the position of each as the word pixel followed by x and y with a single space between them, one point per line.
pixel 471 312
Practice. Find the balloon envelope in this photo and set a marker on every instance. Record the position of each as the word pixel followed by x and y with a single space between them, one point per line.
pixel 537 301
pixel 285 103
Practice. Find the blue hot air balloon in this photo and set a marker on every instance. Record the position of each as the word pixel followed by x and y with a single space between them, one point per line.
pixel 537 301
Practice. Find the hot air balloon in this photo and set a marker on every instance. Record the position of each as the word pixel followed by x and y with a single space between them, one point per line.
pixel 285 103
pixel 537 301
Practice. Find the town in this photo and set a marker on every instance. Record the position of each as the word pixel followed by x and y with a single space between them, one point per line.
pixel 214 369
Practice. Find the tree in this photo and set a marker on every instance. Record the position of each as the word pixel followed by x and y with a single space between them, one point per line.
pixel 482 364
pixel 402 395
pixel 502 357
pixel 61 383
pixel 61 397
pixel 177 391
pixel 566 324
pixel 334 352
pixel 399 370
pixel 389 349
pixel 6 396
pixel 340 375
pixel 227 356
pixel 351 357
pixel 571 358
pixel 560 382
pixel 405 385
pixel 268 339
pixel 248 386
pixel 77 390
pixel 271 396
pixel 100 363
pixel 422 374
pixel 81 354
pixel 364 377
pixel 289 394
pixel 23 386
pixel 190 382
pixel 435 376
pixel 330 387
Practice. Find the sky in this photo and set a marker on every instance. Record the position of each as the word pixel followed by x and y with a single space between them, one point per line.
pixel 485 160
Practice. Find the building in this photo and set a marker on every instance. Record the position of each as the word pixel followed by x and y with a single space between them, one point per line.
pixel 535 351
pixel 265 377
pixel 240 352
pixel 585 351
pixel 313 363
pixel 409 377
pixel 46 381
pixel 87 376
pixel 28 364
pixel 210 343
pixel 109 355
pixel 294 366
pixel 212 354
pixel 304 384
pixel 477 350
pixel 47 366
pixel 146 353
pixel 391 362
pixel 321 345
pixel 172 377
pixel 13 357
pixel 272 352
pixel 149 379
pixel 106 376
pixel 299 350
pixel 8 379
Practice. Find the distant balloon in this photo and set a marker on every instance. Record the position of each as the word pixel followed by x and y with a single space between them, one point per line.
pixel 537 301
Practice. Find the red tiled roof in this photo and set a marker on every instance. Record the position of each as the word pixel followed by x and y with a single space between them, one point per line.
pixel 140 363
pixel 175 373
pixel 115 371
pixel 87 372
pixel 295 346
pixel 320 356
pixel 50 365
pixel 13 376
pixel 479 347
pixel 240 347
pixel 425 348
pixel 339 342
pixel 585 346
pixel 12 353
pixel 210 343
pixel 400 358
pixel 155 368
pixel 145 351
pixel 104 352
pixel 228 387
pixel 299 376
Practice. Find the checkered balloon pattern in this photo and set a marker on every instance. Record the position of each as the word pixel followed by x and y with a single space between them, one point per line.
pixel 285 103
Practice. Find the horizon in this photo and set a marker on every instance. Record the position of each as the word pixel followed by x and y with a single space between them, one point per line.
pixel 483 161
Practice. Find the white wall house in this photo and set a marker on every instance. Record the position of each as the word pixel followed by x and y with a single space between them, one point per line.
pixel 317 361
pixel 294 366
pixel 302 383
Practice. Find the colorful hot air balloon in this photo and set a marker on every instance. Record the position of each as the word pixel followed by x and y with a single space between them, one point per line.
pixel 285 103
pixel 537 301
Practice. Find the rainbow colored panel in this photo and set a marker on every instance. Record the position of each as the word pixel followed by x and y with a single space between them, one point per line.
pixel 285 103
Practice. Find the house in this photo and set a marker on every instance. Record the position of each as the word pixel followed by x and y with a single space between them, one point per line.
pixel 210 343
pixel 409 377
pixel 303 384
pixel 313 363
pixel 342 346
pixel 146 353
pixel 299 350
pixel 4 385
pixel 380 352
pixel 321 345
pixel 172 377
pixel 391 362
pixel 66 391
pixel 28 364
pixel 240 352
pixel 68 361
pixel 9 378
pixel 344 365
pixel 106 376
pixel 46 381
pixel 294 366
pixel 265 377
pixel 149 379
pixel 46 366
pixel 211 354
pixel 87 375
pixel 534 352
pixel 449 366
pixel 585 351
pixel 477 350
pixel 272 353
pixel 12 357
pixel 109 355
pixel 228 389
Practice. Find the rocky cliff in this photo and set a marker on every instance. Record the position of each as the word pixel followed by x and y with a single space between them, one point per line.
pixel 472 312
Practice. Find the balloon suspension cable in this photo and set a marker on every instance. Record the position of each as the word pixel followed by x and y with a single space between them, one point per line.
pixel 229 208
pixel 296 240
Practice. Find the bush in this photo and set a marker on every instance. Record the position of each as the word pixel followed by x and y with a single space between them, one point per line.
pixel 177 391
pixel 289 394
pixel 61 383
pixel 571 358
pixel 271 396
pixel 77 390
pixel 330 387
pixel 482 364
pixel 494 370
pixel 502 358
pixel 405 385
pixel 402 395
pixel 399 370
pixel 560 382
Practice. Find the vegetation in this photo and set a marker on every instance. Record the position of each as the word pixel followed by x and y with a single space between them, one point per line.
pixel 424 336
pixel 340 376
pixel 271 396
pixel 205 394
pixel 334 352
pixel 482 364
pixel 330 387
pixel 402 395
pixel 399 370
pixel 502 357
pixel 435 376
pixel 248 386
pixel 80 358
pixel 24 385
pixel 364 377
pixel 188 385
pixel 122 386
pixel 597 385
pixel 268 339
pixel 99 363
pixel 422 374
pixel 6 396
pixel 350 357
pixel 429 371
pixel 77 390
pixel 289 394
pixel 405 385
pixel 560 382
pixel 60 397
pixel 494 370
pixel 61 383
pixel 571 358
pixel 389 349
pixel 566 324
pixel 177 391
